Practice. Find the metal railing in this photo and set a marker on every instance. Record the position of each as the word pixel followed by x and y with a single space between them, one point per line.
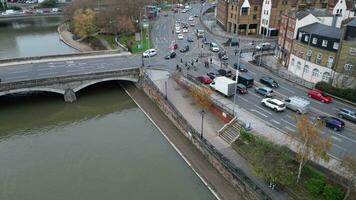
pixel 237 173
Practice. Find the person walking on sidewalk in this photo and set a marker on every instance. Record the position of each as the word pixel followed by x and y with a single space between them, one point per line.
pixel 211 60
pixel 181 60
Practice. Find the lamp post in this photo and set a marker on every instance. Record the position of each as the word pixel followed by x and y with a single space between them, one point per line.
pixel 237 75
pixel 165 89
pixel 261 49
pixel 202 112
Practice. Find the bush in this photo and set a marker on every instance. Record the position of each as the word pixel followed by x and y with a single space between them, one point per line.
pixel 332 193
pixel 311 172
pixel 315 186
pixel 48 4
pixel 246 136
pixel 348 94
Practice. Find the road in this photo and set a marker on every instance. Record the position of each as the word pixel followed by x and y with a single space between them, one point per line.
pixel 162 38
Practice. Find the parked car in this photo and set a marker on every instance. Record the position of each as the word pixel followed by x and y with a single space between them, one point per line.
pixel 226 73
pixel 190 39
pixel 212 75
pixel 241 67
pixel 180 36
pixel 214 47
pixel 319 95
pixel 347 113
pixel 264 91
pixel 269 82
pixel 149 53
pixel 241 89
pixel 184 49
pixel 274 104
pixel 205 79
pixel 332 122
pixel 171 55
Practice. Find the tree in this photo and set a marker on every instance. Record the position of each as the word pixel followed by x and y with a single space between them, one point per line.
pixel 124 24
pixel 48 4
pixel 312 145
pixel 83 23
pixel 201 96
pixel 349 163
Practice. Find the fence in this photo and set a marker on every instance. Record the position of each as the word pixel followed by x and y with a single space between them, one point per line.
pixel 239 177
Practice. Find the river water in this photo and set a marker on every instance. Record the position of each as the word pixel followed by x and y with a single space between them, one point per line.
pixel 100 147
pixel 31 37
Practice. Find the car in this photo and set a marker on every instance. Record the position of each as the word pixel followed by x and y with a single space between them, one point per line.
pixel 274 104
pixel 212 75
pixel 190 39
pixel 205 41
pixel 175 46
pixel 263 46
pixel 332 122
pixel 184 10
pixel 190 18
pixel 241 89
pixel 264 91
pixel 196 15
pixel 205 79
pixel 180 36
pixel 241 68
pixel 226 73
pixel 149 53
pixel 266 80
pixel 222 55
pixel 319 95
pixel 165 14
pixel 185 30
pixel 347 113
pixel 184 25
pixel 184 49
pixel 192 24
pixel 177 30
pixel 214 47
pixel 170 56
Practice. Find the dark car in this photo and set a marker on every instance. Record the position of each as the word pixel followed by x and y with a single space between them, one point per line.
pixel 241 68
pixel 332 122
pixel 185 49
pixel 212 75
pixel 190 39
pixel 205 41
pixel 222 55
pixel 226 73
pixel 165 14
pixel 269 81
pixel 345 113
pixel 171 55
pixel 264 91
pixel 241 89
pixel 175 46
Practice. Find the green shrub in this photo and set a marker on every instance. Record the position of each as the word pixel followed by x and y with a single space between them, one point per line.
pixel 311 172
pixel 315 186
pixel 49 4
pixel 332 193
pixel 246 136
pixel 349 94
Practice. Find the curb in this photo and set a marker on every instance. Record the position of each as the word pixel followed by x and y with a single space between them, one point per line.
pixel 63 40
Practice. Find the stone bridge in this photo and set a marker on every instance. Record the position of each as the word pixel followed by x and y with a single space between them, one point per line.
pixel 69 85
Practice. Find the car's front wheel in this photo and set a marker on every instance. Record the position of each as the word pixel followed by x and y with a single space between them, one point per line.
pixel 341 116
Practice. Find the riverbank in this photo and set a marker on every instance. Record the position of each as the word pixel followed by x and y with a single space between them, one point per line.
pixel 67 37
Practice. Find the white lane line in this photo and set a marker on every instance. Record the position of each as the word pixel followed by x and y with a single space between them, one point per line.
pixel 263 109
pixel 17 77
pixel 291 91
pixel 336 138
pixel 287 122
pixel 254 94
pixel 43 69
pixel 352 140
pixel 242 98
pixel 253 110
pixel 275 121
pixel 289 128
pixel 17 72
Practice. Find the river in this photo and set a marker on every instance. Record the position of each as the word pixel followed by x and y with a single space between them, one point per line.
pixel 100 147
pixel 31 37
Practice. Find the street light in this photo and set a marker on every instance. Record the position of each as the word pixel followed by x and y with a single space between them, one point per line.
pixel 202 112
pixel 237 74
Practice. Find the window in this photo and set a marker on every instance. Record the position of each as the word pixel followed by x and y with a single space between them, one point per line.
pixel 244 11
pixel 309 55
pixel 299 64
pixel 267 12
pixel 306 38
pixel 306 69
pixel 290 35
pixel 330 62
pixel 318 58
pixel 292 62
pixel 315 73
pixel 325 43
pixel 232 7
pixel 315 40
pixel 300 36
pixel 326 76
pixel 348 67
pixel 336 46
pixel 255 8
pixel 254 16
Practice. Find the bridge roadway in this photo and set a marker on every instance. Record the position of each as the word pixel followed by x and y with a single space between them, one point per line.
pixel 29 16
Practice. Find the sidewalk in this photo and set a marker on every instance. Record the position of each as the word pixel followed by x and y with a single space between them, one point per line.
pixel 186 105
pixel 67 38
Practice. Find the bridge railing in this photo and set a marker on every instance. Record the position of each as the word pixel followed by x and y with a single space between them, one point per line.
pixel 71 78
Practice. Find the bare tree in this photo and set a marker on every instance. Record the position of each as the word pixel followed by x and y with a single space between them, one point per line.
pixel 349 163
pixel 312 145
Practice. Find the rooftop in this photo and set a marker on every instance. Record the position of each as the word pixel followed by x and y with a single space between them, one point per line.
pixel 323 30
pixel 352 23
pixel 314 11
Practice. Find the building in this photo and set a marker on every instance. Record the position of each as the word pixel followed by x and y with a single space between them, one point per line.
pixel 314 52
pixel 345 64
pixel 271 15
pixel 293 20
pixel 343 8
pixel 239 16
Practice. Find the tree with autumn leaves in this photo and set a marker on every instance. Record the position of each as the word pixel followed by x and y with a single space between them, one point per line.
pixel 83 23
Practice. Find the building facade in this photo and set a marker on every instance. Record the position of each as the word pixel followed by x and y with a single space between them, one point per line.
pixel 222 13
pixel 314 52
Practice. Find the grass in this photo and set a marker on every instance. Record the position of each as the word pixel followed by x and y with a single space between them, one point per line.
pixel 109 38
pixel 129 41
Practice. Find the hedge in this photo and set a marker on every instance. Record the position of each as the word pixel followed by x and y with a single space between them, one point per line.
pixel 348 94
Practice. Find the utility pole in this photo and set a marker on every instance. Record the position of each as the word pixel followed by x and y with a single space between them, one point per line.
pixel 202 112
pixel 237 73
pixel 261 50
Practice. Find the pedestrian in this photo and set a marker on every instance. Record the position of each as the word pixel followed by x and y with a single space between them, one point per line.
pixel 211 60
pixel 192 62
pixel 177 66
pixel 181 60
pixel 235 52
pixel 186 63
pixel 196 60
pixel 180 69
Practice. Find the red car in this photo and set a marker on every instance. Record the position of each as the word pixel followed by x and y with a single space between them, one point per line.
pixel 319 95
pixel 204 79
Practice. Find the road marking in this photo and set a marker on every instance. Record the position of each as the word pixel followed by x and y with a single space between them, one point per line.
pixel 336 138
pixel 43 69
pixel 289 128
pixel 352 140
pixel 47 73
pixel 17 72
pixel 263 109
pixel 242 98
pixel 275 121
pixel 17 77
pixel 253 110
pixel 291 91
pixel 285 121
pixel 254 94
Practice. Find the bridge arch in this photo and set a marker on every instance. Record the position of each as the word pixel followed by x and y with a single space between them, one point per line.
pixel 104 80
pixel 35 89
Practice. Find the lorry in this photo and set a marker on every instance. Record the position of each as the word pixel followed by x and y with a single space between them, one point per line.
pixel 297 104
pixel 245 79
pixel 223 85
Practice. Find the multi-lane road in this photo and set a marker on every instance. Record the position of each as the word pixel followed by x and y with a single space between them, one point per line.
pixel 162 37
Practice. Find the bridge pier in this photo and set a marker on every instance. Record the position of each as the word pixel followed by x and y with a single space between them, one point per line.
pixel 69 96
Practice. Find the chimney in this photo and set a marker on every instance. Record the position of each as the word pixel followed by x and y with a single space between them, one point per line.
pixel 335 17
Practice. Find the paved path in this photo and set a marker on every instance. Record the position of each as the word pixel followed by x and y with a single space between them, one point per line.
pixel 195 158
